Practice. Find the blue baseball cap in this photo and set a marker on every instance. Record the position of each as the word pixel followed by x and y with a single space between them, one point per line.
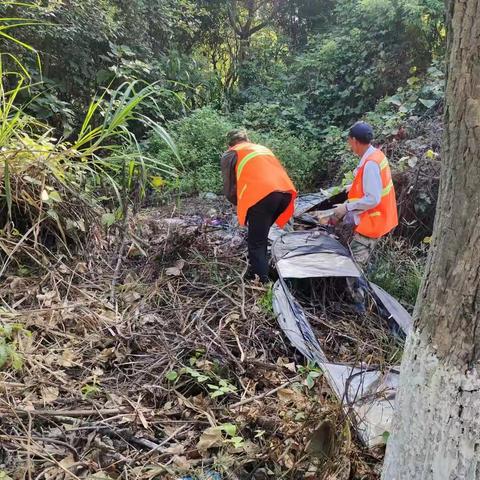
pixel 361 131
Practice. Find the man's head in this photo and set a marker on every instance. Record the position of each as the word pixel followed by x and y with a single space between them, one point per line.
pixel 360 137
pixel 237 136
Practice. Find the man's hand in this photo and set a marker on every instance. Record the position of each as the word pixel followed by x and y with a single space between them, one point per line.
pixel 340 211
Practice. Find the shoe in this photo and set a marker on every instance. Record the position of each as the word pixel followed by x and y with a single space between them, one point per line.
pixel 252 276
pixel 249 275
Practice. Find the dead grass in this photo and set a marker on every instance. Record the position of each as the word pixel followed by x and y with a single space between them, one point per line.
pixel 124 387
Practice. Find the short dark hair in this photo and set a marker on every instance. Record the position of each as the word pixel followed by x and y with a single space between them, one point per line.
pixel 236 136
pixel 361 131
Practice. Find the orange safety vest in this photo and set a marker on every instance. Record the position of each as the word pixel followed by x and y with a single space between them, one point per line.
pixel 260 173
pixel 377 221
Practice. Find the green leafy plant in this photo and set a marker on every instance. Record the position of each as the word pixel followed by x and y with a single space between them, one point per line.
pixel 10 336
pixel 420 93
pixel 232 436
pixel 266 300
pixel 91 389
pixel 311 372
pixel 223 388
pixel 220 388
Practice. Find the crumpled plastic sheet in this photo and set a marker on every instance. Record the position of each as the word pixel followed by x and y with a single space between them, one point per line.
pixel 305 203
pixel 368 392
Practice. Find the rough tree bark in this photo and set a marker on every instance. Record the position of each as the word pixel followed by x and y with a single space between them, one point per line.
pixel 436 431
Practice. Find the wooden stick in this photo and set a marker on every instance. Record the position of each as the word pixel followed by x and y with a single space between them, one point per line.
pixel 66 413
pixel 266 394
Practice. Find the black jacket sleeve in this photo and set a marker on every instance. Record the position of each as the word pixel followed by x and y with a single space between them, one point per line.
pixel 228 162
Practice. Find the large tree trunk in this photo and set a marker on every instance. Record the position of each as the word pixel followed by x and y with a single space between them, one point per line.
pixel 436 431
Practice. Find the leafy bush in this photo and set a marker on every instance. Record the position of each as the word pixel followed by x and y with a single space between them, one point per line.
pixel 279 115
pixel 370 51
pixel 301 158
pixel 398 268
pixel 420 94
pixel 200 140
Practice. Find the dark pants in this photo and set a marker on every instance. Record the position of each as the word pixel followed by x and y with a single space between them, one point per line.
pixel 260 218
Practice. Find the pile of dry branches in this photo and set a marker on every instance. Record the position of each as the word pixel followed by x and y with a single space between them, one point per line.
pixel 344 336
pixel 182 370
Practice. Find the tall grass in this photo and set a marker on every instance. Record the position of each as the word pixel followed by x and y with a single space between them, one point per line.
pixel 111 147
pixel 9 23
pixel 397 266
pixel 51 191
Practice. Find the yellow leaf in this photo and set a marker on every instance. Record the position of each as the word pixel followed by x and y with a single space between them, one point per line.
pixel 427 240
pixel 54 195
pixel 157 182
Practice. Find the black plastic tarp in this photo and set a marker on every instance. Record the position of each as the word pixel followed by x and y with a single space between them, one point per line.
pixel 368 392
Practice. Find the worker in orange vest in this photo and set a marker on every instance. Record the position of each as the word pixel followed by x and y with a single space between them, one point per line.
pixel 371 207
pixel 255 181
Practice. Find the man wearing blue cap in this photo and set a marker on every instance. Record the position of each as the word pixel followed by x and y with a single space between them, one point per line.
pixel 371 207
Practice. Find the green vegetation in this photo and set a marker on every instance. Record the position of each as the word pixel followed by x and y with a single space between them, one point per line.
pixel 11 338
pixel 288 71
pixel 398 268
pixel 106 106
pixel 295 74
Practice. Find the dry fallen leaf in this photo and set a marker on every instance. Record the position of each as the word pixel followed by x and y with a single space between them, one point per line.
pixel 99 476
pixel 106 354
pixel 176 270
pixel 46 298
pixel 286 395
pixel 81 267
pixel 177 449
pixel 131 297
pixel 66 360
pixel 212 437
pixel 182 463
pixel 17 283
pixel 142 419
pixel 49 394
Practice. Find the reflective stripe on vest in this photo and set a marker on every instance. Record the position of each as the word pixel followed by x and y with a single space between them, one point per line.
pixel 258 179
pixel 249 157
pixel 242 192
pixel 385 191
pixel 383 164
